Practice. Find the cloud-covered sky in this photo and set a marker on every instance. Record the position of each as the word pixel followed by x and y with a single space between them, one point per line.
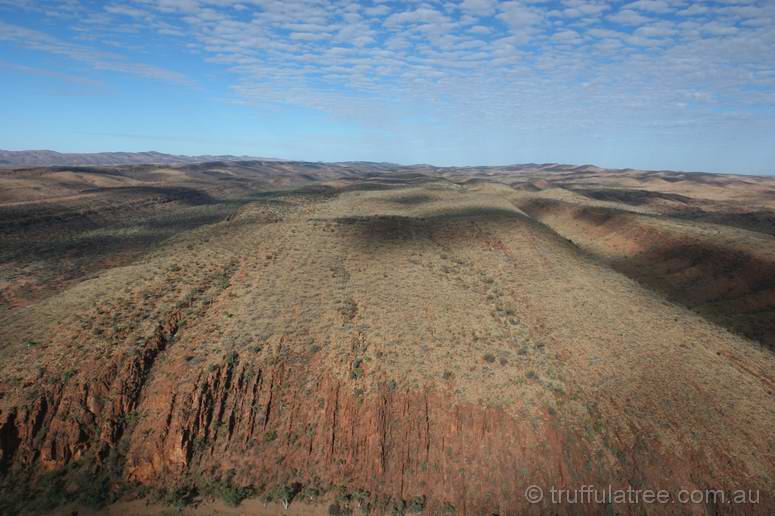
pixel 647 83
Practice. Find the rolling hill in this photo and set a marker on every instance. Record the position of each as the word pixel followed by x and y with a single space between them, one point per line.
pixel 359 336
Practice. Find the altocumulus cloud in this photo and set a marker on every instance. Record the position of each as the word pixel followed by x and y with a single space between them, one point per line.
pixel 516 65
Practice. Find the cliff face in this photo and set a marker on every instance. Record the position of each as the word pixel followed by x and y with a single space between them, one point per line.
pixel 441 357
pixel 83 416
pixel 257 427
pixel 400 445
pixel 259 423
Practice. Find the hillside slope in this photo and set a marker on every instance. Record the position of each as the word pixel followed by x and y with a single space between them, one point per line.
pixel 407 340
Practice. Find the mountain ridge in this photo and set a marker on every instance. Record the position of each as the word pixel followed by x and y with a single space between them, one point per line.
pixel 48 158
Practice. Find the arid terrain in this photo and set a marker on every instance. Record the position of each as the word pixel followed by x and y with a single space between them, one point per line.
pixel 349 338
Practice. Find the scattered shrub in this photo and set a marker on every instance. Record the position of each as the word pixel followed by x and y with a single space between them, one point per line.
pixel 310 493
pixel 228 492
pixel 337 510
pixel 233 495
pixel 95 493
pixel 416 504
pixel 284 494
pixel 131 418
pixel 357 370
pixel 180 497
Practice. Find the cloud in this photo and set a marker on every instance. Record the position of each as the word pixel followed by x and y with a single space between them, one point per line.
pixel 581 8
pixel 514 63
pixel 419 15
pixel 97 59
pixel 655 6
pixel 125 10
pixel 656 30
pixel 377 10
pixel 479 29
pixel 479 7
pixel 522 20
pixel 716 28
pixel 308 36
pixel 71 78
pixel 566 36
pixel 694 10
pixel 629 17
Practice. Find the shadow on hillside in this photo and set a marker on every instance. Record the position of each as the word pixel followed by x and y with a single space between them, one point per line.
pixel 456 224
pixel 760 221
pixel 725 285
pixel 409 200
pixel 631 197
pixel 184 195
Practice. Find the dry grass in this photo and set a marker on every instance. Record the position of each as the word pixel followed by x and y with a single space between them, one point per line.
pixel 436 285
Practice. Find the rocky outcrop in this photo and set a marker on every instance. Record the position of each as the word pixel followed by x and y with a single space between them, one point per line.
pixel 269 427
pixel 259 425
pixel 86 413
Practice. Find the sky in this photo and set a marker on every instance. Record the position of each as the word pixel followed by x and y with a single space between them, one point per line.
pixel 652 84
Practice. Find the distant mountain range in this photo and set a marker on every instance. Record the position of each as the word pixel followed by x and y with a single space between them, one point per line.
pixel 47 158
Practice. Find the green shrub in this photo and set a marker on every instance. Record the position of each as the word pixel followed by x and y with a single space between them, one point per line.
pixel 95 493
pixel 337 510
pixel 357 370
pixel 233 495
pixel 284 494
pixel 311 493
pixel 416 504
pixel 180 497
pixel 131 418
pixel 51 491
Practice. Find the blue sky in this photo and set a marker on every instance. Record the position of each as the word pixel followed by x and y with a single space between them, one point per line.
pixel 648 83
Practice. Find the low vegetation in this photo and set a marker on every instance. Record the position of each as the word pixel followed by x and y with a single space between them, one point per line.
pixel 337 336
